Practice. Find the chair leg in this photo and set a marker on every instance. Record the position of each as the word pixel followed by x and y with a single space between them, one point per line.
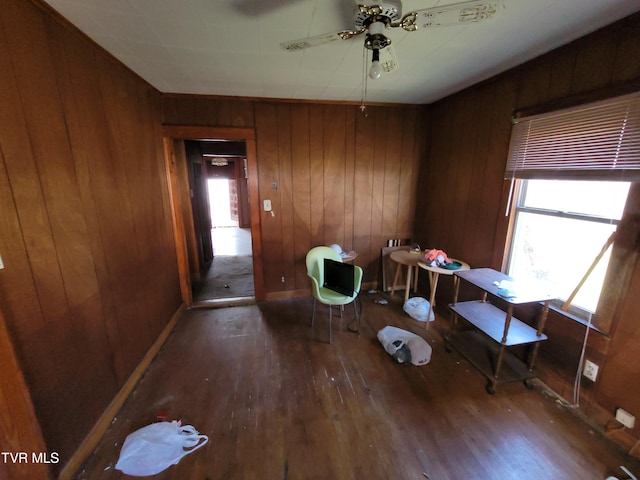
pixel 330 318
pixel 313 315
pixel 355 309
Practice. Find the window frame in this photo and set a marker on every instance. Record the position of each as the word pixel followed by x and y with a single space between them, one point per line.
pixel 578 313
pixel 625 251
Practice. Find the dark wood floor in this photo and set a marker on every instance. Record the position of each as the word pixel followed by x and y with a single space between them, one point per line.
pixel 278 402
pixel 228 276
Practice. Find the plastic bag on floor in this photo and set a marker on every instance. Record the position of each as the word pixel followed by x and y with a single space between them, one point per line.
pixel 405 346
pixel 419 308
pixel 156 447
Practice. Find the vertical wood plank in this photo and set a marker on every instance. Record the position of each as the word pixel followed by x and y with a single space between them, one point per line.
pixel 285 189
pixel 562 70
pixel 267 144
pixel 628 47
pixel 301 198
pixel 536 87
pixel 594 62
pixel 392 167
pixel 334 175
pixel 377 164
pixel 316 171
pixel 349 176
pixel 363 188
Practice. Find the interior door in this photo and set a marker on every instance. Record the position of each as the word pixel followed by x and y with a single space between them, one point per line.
pixel 202 214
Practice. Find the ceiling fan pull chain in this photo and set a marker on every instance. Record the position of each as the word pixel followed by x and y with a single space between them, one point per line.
pixel 363 107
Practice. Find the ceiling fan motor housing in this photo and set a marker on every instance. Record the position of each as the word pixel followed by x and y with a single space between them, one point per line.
pixel 389 12
pixel 376 39
pixel 375 19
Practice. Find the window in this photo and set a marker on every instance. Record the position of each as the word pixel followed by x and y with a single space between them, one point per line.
pixel 572 170
pixel 560 226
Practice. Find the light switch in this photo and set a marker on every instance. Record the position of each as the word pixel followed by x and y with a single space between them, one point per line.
pixel 267 205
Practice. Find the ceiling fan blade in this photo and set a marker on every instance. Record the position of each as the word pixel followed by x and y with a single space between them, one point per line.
pixel 388 59
pixel 316 40
pixel 463 13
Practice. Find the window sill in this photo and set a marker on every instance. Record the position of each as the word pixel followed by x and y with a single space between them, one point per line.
pixel 577 319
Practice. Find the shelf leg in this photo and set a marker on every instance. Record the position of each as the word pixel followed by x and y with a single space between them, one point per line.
pixel 496 371
pixel 395 279
pixel 507 324
pixel 541 321
pixel 407 288
pixel 533 356
pixel 433 284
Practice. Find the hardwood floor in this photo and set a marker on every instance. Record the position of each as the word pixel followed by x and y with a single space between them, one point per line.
pixel 278 402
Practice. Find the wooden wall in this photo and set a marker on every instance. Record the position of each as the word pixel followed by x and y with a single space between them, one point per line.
pixel 465 214
pixel 341 176
pixel 90 275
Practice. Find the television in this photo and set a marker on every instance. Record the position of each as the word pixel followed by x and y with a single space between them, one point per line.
pixel 338 276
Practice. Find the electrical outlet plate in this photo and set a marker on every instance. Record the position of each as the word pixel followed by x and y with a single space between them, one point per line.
pixel 590 370
pixel 625 418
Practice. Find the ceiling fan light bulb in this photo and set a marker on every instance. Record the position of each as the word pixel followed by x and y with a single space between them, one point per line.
pixel 375 72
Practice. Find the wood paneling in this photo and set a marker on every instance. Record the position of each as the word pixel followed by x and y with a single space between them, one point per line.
pixel 463 210
pixel 340 177
pixel 90 273
pixel 91 276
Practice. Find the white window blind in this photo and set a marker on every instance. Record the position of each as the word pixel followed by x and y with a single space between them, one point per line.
pixel 599 140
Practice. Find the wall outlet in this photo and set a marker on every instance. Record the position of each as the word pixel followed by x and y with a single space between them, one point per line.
pixel 590 370
pixel 625 418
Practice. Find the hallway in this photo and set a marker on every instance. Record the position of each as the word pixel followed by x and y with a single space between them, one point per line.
pixel 231 272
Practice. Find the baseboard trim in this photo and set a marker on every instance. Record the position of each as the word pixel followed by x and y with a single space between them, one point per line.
pixel 306 292
pixel 100 427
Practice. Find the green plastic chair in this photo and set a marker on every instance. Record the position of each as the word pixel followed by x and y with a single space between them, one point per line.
pixel 315 271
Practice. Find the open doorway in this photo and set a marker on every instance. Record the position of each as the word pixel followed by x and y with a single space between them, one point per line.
pixel 230 272
pixel 189 170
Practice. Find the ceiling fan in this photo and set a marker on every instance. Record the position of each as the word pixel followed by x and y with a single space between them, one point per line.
pixel 379 15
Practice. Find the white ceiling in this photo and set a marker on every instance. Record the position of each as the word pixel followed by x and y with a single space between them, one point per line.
pixel 231 47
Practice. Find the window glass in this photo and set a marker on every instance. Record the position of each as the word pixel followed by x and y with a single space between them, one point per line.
pixel 557 248
pixel 599 199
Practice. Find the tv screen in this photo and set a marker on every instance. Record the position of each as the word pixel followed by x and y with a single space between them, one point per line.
pixel 338 277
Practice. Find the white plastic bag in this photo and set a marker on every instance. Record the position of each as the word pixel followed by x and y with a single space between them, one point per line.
pixel 419 308
pixel 156 447
pixel 405 346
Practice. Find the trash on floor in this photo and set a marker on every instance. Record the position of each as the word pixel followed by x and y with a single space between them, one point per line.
pixel 156 447
pixel 419 308
pixel 631 475
pixel 405 347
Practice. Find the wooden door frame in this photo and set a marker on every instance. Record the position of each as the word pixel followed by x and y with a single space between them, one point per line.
pixel 19 427
pixel 248 135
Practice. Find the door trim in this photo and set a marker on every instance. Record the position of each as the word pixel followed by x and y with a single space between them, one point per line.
pixel 248 135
